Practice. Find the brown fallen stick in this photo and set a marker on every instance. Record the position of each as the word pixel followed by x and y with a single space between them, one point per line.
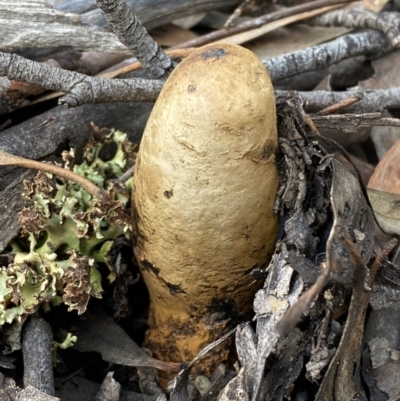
pixel 260 21
pixel 246 36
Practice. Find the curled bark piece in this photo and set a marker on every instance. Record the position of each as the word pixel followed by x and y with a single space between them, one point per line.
pixel 205 186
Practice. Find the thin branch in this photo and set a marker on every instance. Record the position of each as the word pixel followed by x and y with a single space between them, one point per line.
pixel 81 89
pixel 122 68
pixel 237 12
pixel 85 89
pixel 37 352
pixel 133 35
pixel 380 259
pixel 387 23
pixel 96 90
pixel 351 123
pixel 259 21
pixel 131 64
pixel 246 36
pixel 334 108
pixel 372 101
pixel 7 159
pixel 319 57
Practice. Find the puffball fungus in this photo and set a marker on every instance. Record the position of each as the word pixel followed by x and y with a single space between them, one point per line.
pixel 66 230
pixel 204 191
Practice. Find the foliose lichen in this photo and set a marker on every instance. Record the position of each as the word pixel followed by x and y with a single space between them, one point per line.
pixel 66 232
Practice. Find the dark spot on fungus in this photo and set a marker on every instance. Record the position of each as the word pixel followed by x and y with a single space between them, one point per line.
pixel 269 150
pixel 191 88
pixel 175 288
pixel 150 267
pixel 214 53
pixel 169 194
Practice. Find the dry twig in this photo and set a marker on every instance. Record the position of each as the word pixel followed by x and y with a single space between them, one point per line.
pixel 369 43
pixel 351 123
pixel 37 351
pixel 7 159
pixel 259 21
pixel 342 104
pixel 387 23
pixel 372 100
pixel 238 11
pixel 81 89
pixel 132 34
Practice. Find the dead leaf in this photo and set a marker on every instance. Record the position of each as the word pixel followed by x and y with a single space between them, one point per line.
pixel 386 177
pixel 387 210
pixel 102 334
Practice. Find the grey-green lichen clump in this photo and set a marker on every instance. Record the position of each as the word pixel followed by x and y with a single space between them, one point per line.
pixel 65 232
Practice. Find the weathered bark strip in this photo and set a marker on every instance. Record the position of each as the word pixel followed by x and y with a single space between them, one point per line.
pixel 37 352
pixel 36 30
pixel 132 34
pixel 352 123
pixel 372 43
pixel 373 101
pixel 152 13
pixel 81 89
